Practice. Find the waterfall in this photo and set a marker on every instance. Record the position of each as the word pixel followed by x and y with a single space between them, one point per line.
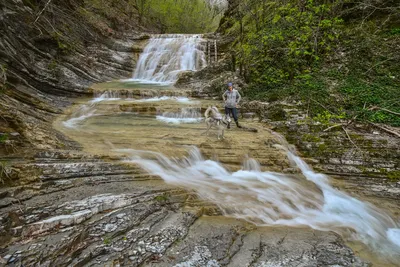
pixel 166 56
pixel 269 198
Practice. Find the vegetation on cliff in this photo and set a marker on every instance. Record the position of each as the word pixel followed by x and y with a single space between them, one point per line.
pixel 339 57
pixel 180 16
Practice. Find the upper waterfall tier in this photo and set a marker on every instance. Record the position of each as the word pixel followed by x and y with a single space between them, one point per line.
pixel 166 56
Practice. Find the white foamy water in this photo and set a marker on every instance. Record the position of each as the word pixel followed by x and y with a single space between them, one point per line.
pixel 105 96
pixel 268 198
pixel 115 96
pixel 84 112
pixel 179 99
pixel 394 236
pixel 186 115
pixel 89 110
pixel 166 56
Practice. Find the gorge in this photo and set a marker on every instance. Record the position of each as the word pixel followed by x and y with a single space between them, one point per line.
pixel 118 173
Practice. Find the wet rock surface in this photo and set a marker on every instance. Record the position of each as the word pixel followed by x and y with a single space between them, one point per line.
pixel 69 208
pixel 115 214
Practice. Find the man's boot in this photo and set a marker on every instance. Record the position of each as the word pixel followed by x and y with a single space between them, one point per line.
pixel 237 124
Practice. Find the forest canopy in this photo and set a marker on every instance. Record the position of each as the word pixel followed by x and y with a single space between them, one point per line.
pixel 181 16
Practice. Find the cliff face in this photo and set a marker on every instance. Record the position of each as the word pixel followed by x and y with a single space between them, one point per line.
pixel 51 51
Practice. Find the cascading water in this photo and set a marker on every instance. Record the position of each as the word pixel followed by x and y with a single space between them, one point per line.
pixel 89 110
pixel 268 198
pixel 264 198
pixel 186 115
pixel 167 55
pixel 106 96
pixel 162 60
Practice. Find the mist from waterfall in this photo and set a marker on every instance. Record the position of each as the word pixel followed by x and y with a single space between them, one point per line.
pixel 165 56
pixel 269 198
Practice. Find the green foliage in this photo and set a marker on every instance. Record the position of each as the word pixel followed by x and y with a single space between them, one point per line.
pixel 180 16
pixel 394 175
pixel 311 138
pixel 169 16
pixel 107 241
pixel 287 41
pixel 161 198
pixel 360 94
pixel 395 31
pixel 326 117
pixel 3 138
pixel 311 51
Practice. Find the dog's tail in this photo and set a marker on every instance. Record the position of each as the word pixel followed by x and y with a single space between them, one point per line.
pixel 206 114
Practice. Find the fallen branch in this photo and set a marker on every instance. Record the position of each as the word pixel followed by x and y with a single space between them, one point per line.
pixel 384 109
pixel 348 136
pixel 331 127
pixel 342 124
pixel 379 63
pixel 385 129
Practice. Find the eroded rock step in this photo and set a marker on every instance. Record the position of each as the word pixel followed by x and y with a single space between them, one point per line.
pixel 152 224
pixel 78 209
pixel 45 216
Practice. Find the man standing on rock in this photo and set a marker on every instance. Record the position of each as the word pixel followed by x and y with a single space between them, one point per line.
pixel 231 98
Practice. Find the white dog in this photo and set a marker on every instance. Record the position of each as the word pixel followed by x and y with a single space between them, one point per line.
pixel 215 119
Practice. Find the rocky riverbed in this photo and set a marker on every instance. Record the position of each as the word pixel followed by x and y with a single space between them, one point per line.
pixel 92 207
pixel 75 187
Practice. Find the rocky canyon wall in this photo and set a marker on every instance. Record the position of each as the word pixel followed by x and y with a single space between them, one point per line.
pixel 53 50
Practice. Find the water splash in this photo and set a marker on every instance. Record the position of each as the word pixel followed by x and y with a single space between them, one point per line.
pixel 167 55
pixel 268 198
pixel 186 115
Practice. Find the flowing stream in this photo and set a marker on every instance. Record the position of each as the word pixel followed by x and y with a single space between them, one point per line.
pixel 241 175
pixel 270 198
